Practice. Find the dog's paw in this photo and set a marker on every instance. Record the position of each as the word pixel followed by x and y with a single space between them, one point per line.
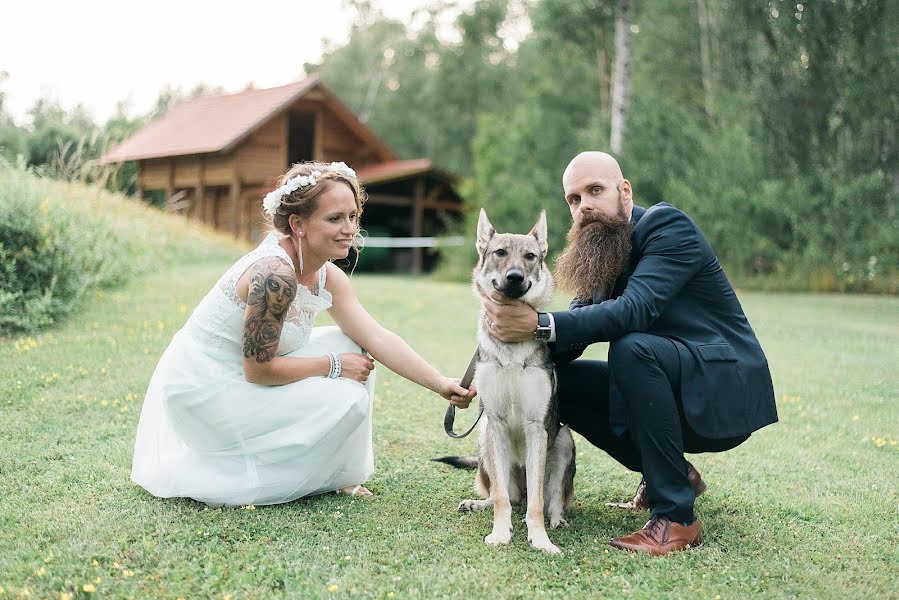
pixel 468 506
pixel 556 522
pixel 548 547
pixel 497 538
pixel 541 542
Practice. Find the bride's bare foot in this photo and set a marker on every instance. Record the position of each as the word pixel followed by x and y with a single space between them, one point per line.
pixel 354 490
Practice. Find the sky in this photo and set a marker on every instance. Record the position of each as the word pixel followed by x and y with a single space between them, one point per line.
pixel 100 52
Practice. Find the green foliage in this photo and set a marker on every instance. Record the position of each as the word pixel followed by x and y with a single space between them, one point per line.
pixel 782 147
pixel 421 93
pixel 59 242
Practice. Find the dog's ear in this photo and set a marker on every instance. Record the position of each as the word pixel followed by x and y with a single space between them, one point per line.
pixel 539 232
pixel 485 232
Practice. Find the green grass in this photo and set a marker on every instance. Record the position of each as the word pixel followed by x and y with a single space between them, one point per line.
pixel 807 507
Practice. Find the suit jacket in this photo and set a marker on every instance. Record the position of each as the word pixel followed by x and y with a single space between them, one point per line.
pixel 675 287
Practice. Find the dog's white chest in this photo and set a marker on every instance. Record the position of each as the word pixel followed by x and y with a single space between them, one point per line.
pixel 514 394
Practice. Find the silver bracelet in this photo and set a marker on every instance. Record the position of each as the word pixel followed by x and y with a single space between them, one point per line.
pixel 336 368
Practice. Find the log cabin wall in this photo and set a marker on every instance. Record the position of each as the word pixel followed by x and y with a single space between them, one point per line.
pixel 261 159
pixel 335 140
pixel 154 173
pixel 340 144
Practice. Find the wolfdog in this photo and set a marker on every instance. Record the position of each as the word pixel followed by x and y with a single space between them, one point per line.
pixel 523 451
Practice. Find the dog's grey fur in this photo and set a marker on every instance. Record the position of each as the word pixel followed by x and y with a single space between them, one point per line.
pixel 522 451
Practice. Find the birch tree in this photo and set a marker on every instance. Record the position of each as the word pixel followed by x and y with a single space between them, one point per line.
pixel 621 76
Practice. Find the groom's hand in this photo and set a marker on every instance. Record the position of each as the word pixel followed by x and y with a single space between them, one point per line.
pixel 510 320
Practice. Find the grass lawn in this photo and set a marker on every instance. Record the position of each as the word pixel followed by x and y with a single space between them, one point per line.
pixel 807 507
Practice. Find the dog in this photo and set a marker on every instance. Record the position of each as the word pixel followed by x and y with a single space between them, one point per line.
pixel 523 451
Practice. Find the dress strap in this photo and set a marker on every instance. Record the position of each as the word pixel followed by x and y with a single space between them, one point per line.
pixel 275 249
pixel 322 275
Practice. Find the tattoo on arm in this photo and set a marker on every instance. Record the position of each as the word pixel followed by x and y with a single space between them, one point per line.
pixel 273 286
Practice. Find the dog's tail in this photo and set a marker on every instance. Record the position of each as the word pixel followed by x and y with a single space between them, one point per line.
pixel 460 462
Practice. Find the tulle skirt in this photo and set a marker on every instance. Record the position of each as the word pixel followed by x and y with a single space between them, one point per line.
pixel 208 434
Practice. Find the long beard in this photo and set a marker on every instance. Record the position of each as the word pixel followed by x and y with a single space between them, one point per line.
pixel 598 251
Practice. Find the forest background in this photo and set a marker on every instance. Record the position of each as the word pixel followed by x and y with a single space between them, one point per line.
pixel 771 123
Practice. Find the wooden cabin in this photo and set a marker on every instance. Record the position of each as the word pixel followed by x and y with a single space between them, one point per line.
pixel 214 158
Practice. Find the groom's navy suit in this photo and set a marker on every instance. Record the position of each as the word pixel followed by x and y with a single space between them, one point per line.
pixel 685 370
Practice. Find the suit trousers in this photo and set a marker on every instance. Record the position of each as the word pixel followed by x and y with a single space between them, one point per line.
pixel 647 373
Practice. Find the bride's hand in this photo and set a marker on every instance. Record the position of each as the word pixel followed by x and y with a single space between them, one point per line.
pixel 356 366
pixel 456 394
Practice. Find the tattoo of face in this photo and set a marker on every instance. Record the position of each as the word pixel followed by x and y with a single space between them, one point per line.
pixel 273 287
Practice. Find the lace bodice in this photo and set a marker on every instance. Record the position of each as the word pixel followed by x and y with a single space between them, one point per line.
pixel 218 319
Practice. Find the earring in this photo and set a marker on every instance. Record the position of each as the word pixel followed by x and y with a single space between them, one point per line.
pixel 300 252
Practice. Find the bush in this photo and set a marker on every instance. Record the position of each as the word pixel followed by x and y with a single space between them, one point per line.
pixel 59 241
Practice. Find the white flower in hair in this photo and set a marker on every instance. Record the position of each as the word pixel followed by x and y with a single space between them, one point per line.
pixel 273 199
pixel 340 167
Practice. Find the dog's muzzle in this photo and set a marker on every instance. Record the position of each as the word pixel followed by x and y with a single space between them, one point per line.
pixel 513 284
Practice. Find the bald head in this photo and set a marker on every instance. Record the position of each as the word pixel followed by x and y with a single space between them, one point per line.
pixel 595 163
pixel 593 181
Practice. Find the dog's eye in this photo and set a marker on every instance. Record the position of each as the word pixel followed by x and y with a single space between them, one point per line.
pixel 530 256
pixel 500 252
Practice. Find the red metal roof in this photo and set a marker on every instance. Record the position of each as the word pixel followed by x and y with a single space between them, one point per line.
pixel 395 169
pixel 210 124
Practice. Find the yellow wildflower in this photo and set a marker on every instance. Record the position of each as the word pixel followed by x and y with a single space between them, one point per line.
pixel 65 596
pixel 90 588
pixel 333 588
pixel 40 572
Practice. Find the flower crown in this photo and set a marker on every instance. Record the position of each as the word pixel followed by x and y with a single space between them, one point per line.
pixel 273 199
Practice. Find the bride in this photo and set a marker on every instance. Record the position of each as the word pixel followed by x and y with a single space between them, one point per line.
pixel 250 404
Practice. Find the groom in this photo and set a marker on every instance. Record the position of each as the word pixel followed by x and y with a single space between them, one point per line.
pixel 685 372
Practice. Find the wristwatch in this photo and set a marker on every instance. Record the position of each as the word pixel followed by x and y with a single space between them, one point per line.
pixel 543 330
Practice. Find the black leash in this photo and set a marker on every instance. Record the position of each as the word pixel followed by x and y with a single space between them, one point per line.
pixel 450 415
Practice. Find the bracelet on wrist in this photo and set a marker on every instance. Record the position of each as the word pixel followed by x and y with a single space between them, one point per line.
pixel 336 366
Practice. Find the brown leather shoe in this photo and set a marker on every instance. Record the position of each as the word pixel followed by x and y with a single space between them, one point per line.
pixel 660 536
pixel 639 501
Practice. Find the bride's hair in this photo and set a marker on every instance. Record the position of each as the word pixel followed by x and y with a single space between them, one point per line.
pixel 302 202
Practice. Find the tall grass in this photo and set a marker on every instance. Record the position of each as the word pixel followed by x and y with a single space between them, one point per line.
pixel 60 240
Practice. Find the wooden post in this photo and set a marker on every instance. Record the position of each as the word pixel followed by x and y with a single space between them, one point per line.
pixel 317 144
pixel 170 184
pixel 235 201
pixel 140 179
pixel 418 214
pixel 285 140
pixel 200 191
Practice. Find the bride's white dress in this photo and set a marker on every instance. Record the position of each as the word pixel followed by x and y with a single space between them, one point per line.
pixel 208 434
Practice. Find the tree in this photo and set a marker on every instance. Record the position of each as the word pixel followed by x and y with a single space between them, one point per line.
pixel 621 76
